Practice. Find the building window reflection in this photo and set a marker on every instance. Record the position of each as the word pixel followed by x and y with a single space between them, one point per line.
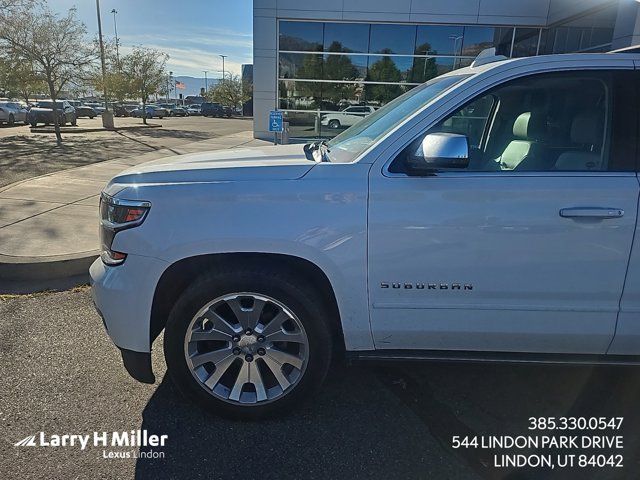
pixel 332 74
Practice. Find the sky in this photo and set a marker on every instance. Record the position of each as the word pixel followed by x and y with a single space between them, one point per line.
pixel 192 32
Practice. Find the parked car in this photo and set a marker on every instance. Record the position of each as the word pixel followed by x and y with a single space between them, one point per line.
pixel 97 106
pixel 123 110
pixel 488 214
pixel 42 112
pixel 152 111
pixel 174 110
pixel 12 112
pixel 85 111
pixel 210 109
pixel 347 117
pixel 120 111
pixel 194 109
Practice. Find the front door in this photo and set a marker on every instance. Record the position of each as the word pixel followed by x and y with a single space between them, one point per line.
pixel 524 250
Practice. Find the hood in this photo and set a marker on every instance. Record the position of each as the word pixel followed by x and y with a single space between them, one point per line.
pixel 284 162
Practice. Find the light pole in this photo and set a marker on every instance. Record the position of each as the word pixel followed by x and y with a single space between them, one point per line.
pixel 223 57
pixel 169 86
pixel 115 28
pixel 455 39
pixel 107 117
pixel 206 86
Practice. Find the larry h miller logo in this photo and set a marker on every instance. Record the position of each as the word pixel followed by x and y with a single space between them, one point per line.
pixel 114 444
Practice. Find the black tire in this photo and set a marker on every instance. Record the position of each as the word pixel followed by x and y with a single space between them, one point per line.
pixel 74 121
pixel 63 121
pixel 12 120
pixel 160 117
pixel 334 124
pixel 34 124
pixel 303 300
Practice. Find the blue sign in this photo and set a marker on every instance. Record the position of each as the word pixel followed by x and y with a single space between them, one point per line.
pixel 275 121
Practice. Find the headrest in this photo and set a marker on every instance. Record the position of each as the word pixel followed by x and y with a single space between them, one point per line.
pixel 529 126
pixel 586 129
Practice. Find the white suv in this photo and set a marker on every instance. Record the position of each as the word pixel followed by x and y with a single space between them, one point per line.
pixel 489 214
pixel 347 117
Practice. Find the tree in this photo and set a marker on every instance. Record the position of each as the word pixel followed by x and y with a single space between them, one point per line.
pixel 118 85
pixel 229 92
pixel 55 45
pixel 311 68
pixel 19 79
pixel 384 70
pixel 145 70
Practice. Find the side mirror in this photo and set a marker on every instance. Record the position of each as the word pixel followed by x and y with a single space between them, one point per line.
pixel 442 150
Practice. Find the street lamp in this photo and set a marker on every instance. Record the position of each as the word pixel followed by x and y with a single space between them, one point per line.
pixel 169 86
pixel 206 86
pixel 223 57
pixel 107 116
pixel 455 39
pixel 115 28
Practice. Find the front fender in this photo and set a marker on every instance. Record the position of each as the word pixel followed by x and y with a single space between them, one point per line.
pixel 320 218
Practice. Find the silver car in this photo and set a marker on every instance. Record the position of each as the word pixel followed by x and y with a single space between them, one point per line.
pixel 12 112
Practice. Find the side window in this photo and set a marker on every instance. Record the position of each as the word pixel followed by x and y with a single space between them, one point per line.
pixel 471 120
pixel 567 121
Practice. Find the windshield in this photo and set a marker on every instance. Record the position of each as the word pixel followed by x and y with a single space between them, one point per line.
pixel 49 104
pixel 355 140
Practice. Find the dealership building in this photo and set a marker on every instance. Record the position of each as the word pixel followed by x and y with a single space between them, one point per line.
pixel 312 58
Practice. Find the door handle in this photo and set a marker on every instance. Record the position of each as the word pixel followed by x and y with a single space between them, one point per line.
pixel 591 212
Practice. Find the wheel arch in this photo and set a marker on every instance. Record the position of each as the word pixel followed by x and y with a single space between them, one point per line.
pixel 175 279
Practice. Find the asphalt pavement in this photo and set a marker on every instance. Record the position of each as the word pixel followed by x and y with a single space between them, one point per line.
pixel 60 374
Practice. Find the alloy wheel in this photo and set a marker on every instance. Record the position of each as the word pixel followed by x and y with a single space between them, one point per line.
pixel 246 348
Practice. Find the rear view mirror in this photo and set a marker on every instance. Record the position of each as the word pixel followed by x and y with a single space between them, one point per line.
pixel 442 150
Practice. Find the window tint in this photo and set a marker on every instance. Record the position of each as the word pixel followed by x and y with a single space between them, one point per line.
pixel 477 39
pixel 302 36
pixel 470 120
pixel 399 39
pixel 525 42
pixel 301 65
pixel 346 37
pixel 439 40
pixel 424 69
pixel 547 122
pixel 389 69
pixel 345 67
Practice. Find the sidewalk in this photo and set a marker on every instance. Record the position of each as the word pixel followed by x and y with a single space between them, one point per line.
pixel 49 224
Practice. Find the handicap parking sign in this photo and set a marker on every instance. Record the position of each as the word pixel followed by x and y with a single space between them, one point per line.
pixel 275 121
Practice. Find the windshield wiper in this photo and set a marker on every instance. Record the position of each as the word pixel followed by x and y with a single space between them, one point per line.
pixel 320 146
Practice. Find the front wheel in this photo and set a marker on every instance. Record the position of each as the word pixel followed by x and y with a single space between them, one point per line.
pixel 334 124
pixel 246 343
pixel 12 120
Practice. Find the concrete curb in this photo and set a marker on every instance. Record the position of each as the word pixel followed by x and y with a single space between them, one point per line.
pixel 32 274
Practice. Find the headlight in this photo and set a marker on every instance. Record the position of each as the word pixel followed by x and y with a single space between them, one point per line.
pixel 117 215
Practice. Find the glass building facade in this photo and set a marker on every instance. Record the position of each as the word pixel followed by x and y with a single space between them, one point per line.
pixel 325 68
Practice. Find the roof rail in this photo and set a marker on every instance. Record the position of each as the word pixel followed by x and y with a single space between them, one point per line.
pixel 488 55
pixel 631 49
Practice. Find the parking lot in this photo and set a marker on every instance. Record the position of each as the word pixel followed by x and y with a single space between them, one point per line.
pixel 60 374
pixel 26 153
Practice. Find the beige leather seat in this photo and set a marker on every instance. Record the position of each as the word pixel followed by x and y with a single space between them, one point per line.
pixel 586 135
pixel 526 151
